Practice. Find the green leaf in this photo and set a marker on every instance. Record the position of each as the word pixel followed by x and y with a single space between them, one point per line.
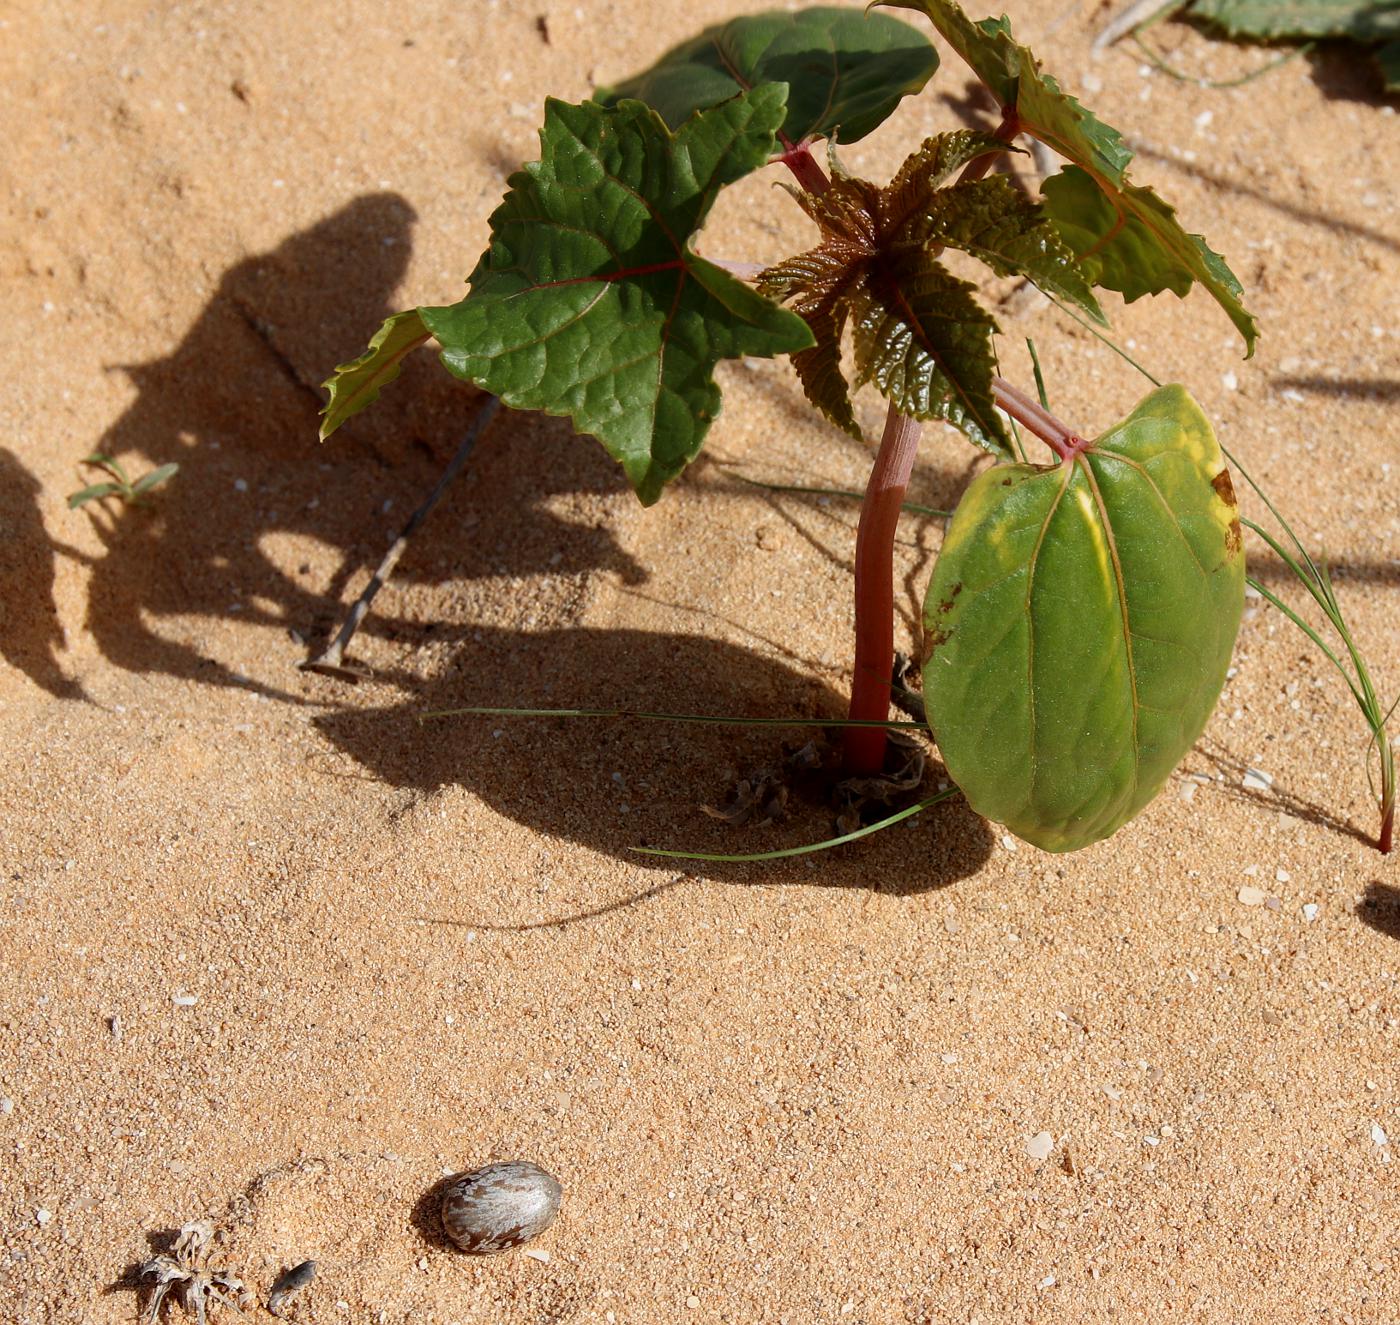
pixel 997 224
pixel 589 301
pixel 356 385
pixel 1080 622
pixel 1388 59
pixel 846 71
pixel 111 465
pixel 1362 20
pixel 923 339
pixel 155 478
pixel 1042 110
pixel 95 493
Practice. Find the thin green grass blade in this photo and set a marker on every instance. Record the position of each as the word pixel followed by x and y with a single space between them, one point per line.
pixel 694 719
pixel 787 852
pixel 1319 584
pixel 1039 376
pixel 802 490
pixel 1317 639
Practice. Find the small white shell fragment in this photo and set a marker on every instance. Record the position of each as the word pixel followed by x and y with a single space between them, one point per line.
pixel 1255 779
pixel 1040 1145
pixel 42 1216
pixel 1249 895
pixel 500 1206
pixel 185 1000
pixel 538 1254
pixel 1310 911
pixel 1378 1136
pixel 1281 875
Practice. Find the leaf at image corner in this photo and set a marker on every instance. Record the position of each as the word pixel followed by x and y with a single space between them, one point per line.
pixel 1388 61
pixel 589 301
pixel 1267 20
pixel 356 385
pixel 846 71
pixel 1097 150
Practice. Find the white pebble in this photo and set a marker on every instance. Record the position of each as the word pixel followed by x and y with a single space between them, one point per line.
pixel 185 1000
pixel 1008 841
pixel 1187 792
pixel 7 1105
pixel 1310 911
pixel 1255 779
pixel 240 485
pixel 538 1254
pixel 1282 875
pixel 1378 1136
pixel 1229 381
pixel 42 1216
pixel 1249 895
pixel 1204 118
pixel 1040 1145
pixel 948 1059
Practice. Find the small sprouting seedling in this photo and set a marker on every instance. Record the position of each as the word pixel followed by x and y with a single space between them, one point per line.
pixel 1082 611
pixel 121 485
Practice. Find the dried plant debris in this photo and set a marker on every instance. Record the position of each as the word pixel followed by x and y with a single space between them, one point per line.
pixel 904 771
pixel 187 1274
pixel 759 799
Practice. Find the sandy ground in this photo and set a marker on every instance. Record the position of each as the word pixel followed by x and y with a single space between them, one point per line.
pixel 347 952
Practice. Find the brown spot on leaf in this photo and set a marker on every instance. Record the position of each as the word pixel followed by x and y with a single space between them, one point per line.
pixel 1234 539
pixel 932 640
pixel 1224 489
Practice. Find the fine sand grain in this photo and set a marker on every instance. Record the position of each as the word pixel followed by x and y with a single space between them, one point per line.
pixel 275 953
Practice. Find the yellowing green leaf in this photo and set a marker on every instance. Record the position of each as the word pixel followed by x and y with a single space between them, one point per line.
pixel 1080 622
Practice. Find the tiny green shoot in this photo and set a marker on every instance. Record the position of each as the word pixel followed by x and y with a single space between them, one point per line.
pixel 121 485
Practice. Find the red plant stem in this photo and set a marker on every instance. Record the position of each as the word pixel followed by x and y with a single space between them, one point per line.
pixel 1007 131
pixel 874 665
pixel 879 514
pixel 1063 441
pixel 803 164
pixel 1387 840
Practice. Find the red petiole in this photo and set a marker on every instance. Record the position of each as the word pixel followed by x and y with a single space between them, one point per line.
pixel 884 495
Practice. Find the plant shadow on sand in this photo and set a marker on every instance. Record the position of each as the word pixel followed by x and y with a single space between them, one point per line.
pixel 258 499
pixel 616 784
